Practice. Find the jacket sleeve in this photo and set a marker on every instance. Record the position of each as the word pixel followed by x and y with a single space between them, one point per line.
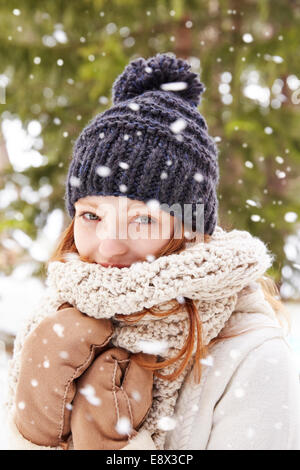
pixel 260 408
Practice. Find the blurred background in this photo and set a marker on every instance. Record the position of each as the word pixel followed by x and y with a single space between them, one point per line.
pixel 58 60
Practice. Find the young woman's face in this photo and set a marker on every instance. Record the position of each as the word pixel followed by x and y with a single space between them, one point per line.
pixel 120 231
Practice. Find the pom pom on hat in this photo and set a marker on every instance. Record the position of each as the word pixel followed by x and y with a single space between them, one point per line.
pixel 156 73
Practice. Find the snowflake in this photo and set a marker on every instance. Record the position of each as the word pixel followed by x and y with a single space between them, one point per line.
pixel 124 165
pixel 173 86
pixel 89 392
pixel 103 171
pixel 207 361
pixel 198 177
pixel 58 329
pixel 153 347
pixel 136 395
pixel 178 125
pixel 64 354
pixel 123 188
pixel 123 426
pixel 134 106
pixel 239 392
pixel 166 423
pixel 74 181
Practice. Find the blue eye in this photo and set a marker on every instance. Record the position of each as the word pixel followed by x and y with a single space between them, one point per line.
pixel 91 213
pixel 146 217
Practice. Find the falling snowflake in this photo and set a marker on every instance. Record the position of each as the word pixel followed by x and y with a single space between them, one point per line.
pixel 148 70
pixel 280 174
pixel 34 382
pixel 64 354
pixel 150 258
pixel 251 203
pixel 268 130
pixel 153 204
pixel 239 392
pixel 152 347
pixel 124 165
pixel 136 395
pixel 247 37
pixel 187 234
pixel 290 217
pixel 279 159
pixel 21 405
pixel 69 406
pixel 74 181
pixel 103 171
pixel 58 329
pixel 46 364
pixel 134 106
pixel 123 188
pixel 178 125
pixel 198 177
pixel 173 86
pixel 89 392
pixel 166 423
pixel 207 361
pixel 123 426
pixel 255 217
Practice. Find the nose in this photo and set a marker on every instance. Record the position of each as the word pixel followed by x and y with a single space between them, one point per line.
pixel 111 249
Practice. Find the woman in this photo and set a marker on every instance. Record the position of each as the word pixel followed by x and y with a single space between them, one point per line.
pixel 156 335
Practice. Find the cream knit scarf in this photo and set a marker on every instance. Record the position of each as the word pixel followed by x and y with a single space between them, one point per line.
pixel 211 273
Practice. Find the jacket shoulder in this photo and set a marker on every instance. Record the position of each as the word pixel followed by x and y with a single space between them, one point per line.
pixel 256 340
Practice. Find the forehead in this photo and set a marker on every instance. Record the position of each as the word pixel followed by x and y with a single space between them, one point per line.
pixel 96 201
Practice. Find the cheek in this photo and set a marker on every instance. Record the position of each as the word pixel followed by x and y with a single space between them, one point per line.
pixel 147 247
pixel 83 238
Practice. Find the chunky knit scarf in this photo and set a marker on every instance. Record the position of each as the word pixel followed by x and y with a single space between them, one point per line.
pixel 212 274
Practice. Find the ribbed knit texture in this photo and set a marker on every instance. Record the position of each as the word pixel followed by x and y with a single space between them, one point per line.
pixel 139 149
pixel 210 273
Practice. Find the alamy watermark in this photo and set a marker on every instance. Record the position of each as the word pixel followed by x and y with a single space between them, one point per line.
pixel 120 221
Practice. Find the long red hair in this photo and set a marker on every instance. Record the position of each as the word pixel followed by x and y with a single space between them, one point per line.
pixel 176 244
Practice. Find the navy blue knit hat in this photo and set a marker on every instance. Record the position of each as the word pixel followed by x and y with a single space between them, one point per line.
pixel 152 144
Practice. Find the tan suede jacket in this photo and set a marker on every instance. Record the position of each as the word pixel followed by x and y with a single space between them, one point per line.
pixel 88 390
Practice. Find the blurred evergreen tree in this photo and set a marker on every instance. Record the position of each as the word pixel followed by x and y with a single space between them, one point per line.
pixel 61 58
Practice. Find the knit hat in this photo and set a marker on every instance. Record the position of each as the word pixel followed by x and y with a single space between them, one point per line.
pixel 152 144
